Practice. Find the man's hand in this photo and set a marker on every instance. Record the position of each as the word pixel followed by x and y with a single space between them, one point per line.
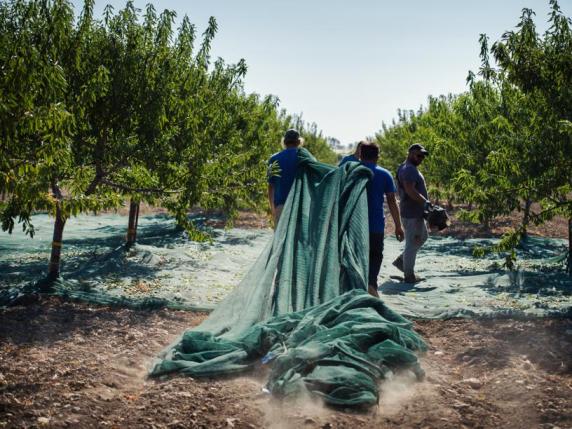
pixel 399 234
pixel 394 210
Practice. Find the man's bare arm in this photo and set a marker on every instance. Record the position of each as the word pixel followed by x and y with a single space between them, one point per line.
pixel 394 210
pixel 271 198
pixel 413 193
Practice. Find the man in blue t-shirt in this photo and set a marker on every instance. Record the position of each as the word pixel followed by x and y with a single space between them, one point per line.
pixel 280 181
pixel 354 157
pixel 413 200
pixel 379 186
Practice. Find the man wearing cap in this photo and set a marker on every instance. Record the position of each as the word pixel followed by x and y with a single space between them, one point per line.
pixel 379 186
pixel 413 200
pixel 279 184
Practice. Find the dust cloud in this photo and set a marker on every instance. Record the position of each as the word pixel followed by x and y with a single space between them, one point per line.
pixel 289 414
pixel 397 392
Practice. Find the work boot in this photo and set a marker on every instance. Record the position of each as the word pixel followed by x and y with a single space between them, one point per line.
pixel 372 290
pixel 413 279
pixel 398 263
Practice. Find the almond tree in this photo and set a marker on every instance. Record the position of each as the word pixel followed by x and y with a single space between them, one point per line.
pixel 96 111
pixel 506 142
pixel 540 67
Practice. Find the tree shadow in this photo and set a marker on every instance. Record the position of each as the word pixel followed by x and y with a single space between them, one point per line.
pixel 540 283
pixel 116 261
pixel 540 274
pixel 541 248
pixel 99 269
pixel 13 274
pixel 530 247
pixel 90 256
pixel 235 241
pixel 159 230
pixel 453 247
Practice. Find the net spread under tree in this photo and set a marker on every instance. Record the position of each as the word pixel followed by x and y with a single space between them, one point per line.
pixel 303 306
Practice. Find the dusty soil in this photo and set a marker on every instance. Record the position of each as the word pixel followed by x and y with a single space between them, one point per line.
pixel 554 228
pixel 245 218
pixel 73 365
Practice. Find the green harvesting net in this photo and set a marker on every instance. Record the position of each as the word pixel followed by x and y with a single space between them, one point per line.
pixel 460 285
pixel 164 269
pixel 303 306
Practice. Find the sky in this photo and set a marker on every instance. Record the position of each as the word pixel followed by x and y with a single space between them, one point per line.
pixel 348 66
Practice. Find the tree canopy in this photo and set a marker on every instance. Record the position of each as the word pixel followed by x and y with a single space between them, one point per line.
pixel 97 111
pixel 505 143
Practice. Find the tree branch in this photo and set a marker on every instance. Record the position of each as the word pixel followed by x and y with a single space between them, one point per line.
pixel 57 191
pixel 140 190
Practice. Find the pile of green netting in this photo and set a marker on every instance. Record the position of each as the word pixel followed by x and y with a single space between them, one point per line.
pixel 303 306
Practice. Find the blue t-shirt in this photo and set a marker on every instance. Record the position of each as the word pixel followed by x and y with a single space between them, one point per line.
pixel 287 161
pixel 409 208
pixel 348 158
pixel 378 186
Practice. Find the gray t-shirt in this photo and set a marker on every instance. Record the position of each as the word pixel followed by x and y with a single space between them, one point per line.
pixel 409 208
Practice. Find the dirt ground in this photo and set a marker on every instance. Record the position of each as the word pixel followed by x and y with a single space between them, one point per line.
pixel 554 228
pixel 73 365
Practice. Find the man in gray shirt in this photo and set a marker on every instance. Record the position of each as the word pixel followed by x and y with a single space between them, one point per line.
pixel 413 200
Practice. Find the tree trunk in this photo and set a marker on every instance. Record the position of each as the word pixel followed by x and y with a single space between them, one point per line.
pixel 449 202
pixel 137 218
pixel 487 225
pixel 570 246
pixel 526 217
pixel 133 221
pixel 54 267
